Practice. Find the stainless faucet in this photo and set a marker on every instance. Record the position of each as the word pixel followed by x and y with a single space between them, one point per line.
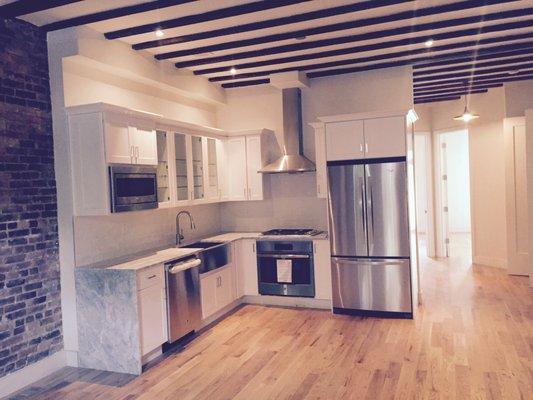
pixel 179 232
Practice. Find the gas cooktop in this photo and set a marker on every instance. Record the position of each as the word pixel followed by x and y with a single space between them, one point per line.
pixel 291 232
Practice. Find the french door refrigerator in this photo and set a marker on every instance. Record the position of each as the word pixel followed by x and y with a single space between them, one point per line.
pixel 369 229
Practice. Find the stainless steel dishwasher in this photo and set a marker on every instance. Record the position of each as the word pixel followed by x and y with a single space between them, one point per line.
pixel 184 303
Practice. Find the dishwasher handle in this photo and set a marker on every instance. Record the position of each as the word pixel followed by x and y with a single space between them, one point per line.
pixel 174 269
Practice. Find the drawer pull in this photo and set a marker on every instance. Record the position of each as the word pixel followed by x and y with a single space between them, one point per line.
pixel 184 265
pixel 151 277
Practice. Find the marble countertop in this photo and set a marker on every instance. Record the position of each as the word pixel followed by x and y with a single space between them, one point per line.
pixel 149 258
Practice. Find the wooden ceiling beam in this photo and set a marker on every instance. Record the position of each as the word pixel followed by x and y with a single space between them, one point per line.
pixel 24 7
pixel 473 73
pixel 269 23
pixel 496 78
pixel 113 13
pixel 213 15
pixel 436 99
pixel 353 24
pixel 269 51
pixel 510 62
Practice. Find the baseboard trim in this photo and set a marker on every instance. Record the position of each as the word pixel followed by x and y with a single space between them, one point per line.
pixel 302 302
pixel 490 262
pixel 32 373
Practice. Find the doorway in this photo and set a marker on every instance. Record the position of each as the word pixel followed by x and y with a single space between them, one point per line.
pixel 454 182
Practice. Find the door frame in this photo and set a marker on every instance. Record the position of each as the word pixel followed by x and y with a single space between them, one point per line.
pixel 430 223
pixel 441 219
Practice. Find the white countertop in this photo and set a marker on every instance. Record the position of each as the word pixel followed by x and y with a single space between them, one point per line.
pixel 149 258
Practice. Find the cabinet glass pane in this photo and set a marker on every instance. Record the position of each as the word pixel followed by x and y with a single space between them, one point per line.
pixel 212 165
pixel 197 167
pixel 181 167
pixel 163 191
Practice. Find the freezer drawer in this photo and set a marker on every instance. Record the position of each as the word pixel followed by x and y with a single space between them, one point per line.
pixel 381 285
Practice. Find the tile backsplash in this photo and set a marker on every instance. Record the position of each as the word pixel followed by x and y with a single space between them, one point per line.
pixel 100 238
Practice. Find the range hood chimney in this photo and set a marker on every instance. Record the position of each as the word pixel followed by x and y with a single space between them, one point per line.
pixel 292 159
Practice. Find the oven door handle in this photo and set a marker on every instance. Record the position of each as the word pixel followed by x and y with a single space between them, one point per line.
pixel 289 256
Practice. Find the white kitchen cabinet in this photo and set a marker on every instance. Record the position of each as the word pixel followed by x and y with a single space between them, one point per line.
pixel 217 290
pixel 385 137
pixel 183 168
pixel 253 164
pixel 245 256
pixel 345 140
pixel 127 142
pixel 246 155
pixel 222 168
pixel 322 261
pixel 236 168
pixel 213 169
pixel 151 300
pixel 320 161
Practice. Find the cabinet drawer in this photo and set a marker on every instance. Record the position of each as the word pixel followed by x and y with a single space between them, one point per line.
pixel 151 276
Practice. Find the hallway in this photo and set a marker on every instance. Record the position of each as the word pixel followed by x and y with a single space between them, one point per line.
pixel 471 339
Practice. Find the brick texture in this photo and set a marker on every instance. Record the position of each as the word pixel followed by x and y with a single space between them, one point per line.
pixel 30 309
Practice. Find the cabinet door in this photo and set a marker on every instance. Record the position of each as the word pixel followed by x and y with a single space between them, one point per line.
pixel 182 167
pixel 246 268
pixel 344 141
pixel 213 186
pixel 385 137
pixel 222 166
pixel 118 148
pixel 198 190
pixel 144 142
pixel 322 261
pixel 208 291
pixel 320 160
pixel 152 309
pixel 225 287
pixel 236 150
pixel 253 163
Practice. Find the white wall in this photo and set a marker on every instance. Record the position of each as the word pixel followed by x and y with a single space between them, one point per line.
pixel 294 202
pixel 457 163
pixel 107 237
pixel 487 168
pixel 518 98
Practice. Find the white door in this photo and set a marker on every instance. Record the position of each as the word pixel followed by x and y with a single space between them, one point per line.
pixel 144 143
pixel 516 196
pixel 236 162
pixel 445 210
pixel 385 137
pixel 151 313
pixel 118 148
pixel 208 291
pixel 253 162
pixel 344 140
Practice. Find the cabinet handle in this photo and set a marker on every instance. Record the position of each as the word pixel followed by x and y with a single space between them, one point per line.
pixel 132 153
pixel 366 147
pixel 253 247
pixel 151 277
pixel 361 147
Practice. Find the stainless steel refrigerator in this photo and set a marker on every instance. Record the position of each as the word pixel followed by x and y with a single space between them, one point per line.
pixel 369 228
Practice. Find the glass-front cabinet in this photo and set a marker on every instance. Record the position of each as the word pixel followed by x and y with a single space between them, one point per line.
pixel 163 181
pixel 198 191
pixel 213 191
pixel 182 167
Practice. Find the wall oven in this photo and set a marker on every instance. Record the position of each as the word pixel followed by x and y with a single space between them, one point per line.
pixel 286 268
pixel 133 187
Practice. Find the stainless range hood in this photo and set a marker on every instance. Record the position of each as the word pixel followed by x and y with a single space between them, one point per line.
pixel 291 145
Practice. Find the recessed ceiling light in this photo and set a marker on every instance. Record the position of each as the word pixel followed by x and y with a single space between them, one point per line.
pixel 232 71
pixel 429 42
pixel 159 33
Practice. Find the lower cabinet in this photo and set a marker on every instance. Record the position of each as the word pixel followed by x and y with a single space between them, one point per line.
pixel 217 290
pixel 151 298
pixel 246 266
pixel 322 261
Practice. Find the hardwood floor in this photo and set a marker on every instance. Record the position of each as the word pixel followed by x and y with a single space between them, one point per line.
pixel 473 339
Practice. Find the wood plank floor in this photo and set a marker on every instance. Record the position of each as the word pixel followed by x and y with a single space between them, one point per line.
pixel 473 339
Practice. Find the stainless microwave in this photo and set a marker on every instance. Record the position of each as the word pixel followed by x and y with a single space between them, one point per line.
pixel 133 187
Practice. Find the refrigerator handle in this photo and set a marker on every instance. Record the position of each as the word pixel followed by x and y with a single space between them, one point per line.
pixel 370 221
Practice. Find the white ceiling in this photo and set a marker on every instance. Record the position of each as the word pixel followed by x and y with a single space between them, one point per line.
pixel 276 61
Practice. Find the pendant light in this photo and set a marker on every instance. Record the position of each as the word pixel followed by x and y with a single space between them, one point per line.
pixel 466 116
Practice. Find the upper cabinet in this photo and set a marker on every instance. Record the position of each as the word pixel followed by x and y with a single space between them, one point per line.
pixel 194 164
pixel 246 155
pixel 127 142
pixel 366 138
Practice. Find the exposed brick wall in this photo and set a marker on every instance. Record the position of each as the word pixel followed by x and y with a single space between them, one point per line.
pixel 30 312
